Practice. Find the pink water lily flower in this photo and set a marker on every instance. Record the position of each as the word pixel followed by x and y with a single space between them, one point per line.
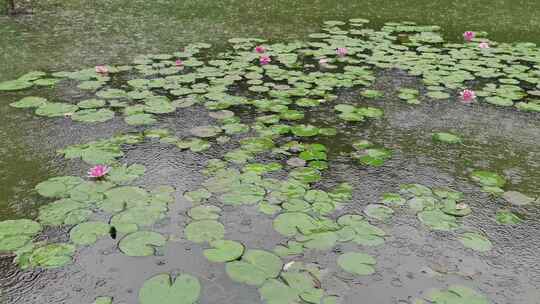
pixel 483 45
pixel 469 36
pixel 260 49
pixel 101 69
pixel 467 96
pixel 98 171
pixel 265 59
pixel 341 51
pixel 179 63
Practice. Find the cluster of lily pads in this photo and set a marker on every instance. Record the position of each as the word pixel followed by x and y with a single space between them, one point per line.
pixel 277 161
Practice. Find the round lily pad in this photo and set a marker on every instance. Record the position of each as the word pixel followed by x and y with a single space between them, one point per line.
pixel 162 289
pixel 438 220
pixel 93 115
pixel 379 212
pixel 475 241
pixel 141 243
pixel 88 233
pixel 206 131
pixel 204 231
pixel 56 109
pixel 15 85
pixel 29 102
pixel 357 263
pixel 255 267
pixel 448 138
pixel 224 251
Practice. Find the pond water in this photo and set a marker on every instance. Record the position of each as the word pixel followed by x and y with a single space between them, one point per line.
pixel 418 248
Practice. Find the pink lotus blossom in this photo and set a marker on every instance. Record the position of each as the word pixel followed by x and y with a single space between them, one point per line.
pixel 101 69
pixel 260 49
pixel 483 45
pixel 323 61
pixel 98 171
pixel 467 96
pixel 265 59
pixel 341 51
pixel 469 36
pixel 179 63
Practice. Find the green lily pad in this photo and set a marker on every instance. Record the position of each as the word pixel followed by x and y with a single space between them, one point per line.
pixel 224 251
pixel 206 131
pixel 58 187
pixel 91 104
pixel 93 115
pixel 14 234
pixel 185 289
pixel 207 212
pixel 290 223
pixel 124 175
pixel 140 119
pixel 204 231
pixel 197 196
pixel 475 241
pixel 56 109
pixel 243 194
pixel 506 217
pixel 393 199
pixel 438 220
pixel 88 233
pixel 29 102
pixel 46 256
pixel 305 130
pixel 255 267
pixel 379 212
pixel 456 295
pixel 103 300
pixel 15 85
pixel 374 156
pixel 141 243
pixel 357 263
pixel 489 179
pixel 448 138
pixel 277 292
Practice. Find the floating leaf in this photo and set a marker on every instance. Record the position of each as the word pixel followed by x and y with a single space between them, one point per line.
pixel 141 243
pixel 93 115
pixel 276 292
pixel 15 85
pixel 475 241
pixel 290 223
pixel 456 295
pixel 357 263
pixel 185 289
pixel 255 267
pixel 204 212
pixel 224 251
pixel 489 179
pixel 204 231
pixel 58 186
pixel 88 233
pixel 14 234
pixel 379 212
pixel 46 256
pixel 448 138
pixel 56 109
pixel 437 220
pixel 29 102
pixel 506 217
pixel 124 175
